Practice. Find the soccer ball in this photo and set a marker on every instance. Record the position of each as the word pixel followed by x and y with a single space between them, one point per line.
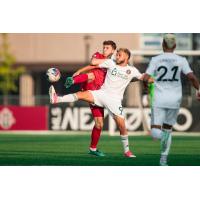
pixel 53 75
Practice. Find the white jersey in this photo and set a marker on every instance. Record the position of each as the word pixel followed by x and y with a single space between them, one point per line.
pixel 117 78
pixel 166 68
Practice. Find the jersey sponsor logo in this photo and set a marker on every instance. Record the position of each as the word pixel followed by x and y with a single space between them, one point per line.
pixel 118 74
pixel 128 71
pixel 6 118
pixel 114 72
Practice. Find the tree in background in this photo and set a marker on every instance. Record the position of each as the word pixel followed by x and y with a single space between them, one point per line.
pixel 8 73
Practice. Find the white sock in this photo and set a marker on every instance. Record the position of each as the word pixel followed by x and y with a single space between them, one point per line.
pixel 124 139
pixel 67 98
pixel 169 141
pixel 156 133
pixel 93 149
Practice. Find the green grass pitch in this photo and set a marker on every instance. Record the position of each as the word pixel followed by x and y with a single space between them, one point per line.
pixel 72 150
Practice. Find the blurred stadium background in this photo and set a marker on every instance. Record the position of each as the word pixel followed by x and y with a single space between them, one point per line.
pixel 24 101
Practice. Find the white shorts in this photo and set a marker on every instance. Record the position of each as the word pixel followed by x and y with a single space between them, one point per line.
pixel 103 99
pixel 160 116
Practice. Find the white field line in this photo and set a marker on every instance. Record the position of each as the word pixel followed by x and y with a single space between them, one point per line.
pixel 135 133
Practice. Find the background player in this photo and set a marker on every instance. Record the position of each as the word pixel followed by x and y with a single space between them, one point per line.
pixel 109 48
pixel 110 95
pixel 93 80
pixel 166 69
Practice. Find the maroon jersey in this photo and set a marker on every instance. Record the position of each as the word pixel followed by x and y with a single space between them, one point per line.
pixel 99 74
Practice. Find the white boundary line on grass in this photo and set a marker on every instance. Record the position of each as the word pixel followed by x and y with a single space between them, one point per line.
pixel 134 133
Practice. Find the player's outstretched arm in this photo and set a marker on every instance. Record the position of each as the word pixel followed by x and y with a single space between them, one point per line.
pixel 146 78
pixel 195 83
pixel 96 61
pixel 84 69
pixel 143 76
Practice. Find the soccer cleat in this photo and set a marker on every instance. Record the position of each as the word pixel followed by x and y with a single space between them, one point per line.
pixel 52 95
pixel 129 154
pixel 69 82
pixel 96 153
pixel 163 160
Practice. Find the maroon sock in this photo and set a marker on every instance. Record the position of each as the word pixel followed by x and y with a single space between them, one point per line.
pixel 80 78
pixel 95 137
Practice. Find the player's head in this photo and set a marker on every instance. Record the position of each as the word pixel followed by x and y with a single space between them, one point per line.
pixel 109 48
pixel 123 55
pixel 169 42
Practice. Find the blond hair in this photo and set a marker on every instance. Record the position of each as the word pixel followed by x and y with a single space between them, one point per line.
pixel 126 51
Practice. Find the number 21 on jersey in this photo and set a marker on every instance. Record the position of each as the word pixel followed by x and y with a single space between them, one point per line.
pixel 164 71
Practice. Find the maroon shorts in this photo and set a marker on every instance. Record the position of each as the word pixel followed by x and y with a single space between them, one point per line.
pixel 97 111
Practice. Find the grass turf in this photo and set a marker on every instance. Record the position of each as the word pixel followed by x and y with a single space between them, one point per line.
pixel 65 150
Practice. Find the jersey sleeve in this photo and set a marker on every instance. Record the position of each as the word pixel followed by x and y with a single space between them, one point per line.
pixel 107 64
pixel 136 73
pixel 151 68
pixel 98 55
pixel 185 67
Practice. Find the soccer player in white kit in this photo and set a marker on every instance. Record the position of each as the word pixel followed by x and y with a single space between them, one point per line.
pixel 119 74
pixel 166 69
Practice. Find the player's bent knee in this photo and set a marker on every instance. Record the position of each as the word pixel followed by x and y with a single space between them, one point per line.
pixel 156 133
pixel 85 96
pixel 80 95
pixel 91 76
pixel 99 123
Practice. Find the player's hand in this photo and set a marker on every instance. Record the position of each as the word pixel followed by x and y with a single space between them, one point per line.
pixel 198 95
pixel 141 78
pixel 151 80
pixel 76 74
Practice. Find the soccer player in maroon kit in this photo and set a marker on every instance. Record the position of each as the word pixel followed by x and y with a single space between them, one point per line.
pixel 93 80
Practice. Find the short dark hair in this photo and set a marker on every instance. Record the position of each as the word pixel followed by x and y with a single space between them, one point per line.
pixel 126 51
pixel 110 42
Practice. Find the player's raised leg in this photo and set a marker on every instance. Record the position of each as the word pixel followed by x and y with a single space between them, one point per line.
pixel 124 136
pixel 85 96
pixel 81 78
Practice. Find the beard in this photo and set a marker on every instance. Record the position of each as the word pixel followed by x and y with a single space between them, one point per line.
pixel 119 62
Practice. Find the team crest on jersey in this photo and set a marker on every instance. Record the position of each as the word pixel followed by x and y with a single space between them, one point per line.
pixel 128 71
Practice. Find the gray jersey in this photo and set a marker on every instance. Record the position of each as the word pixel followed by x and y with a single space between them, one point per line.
pixel 166 69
